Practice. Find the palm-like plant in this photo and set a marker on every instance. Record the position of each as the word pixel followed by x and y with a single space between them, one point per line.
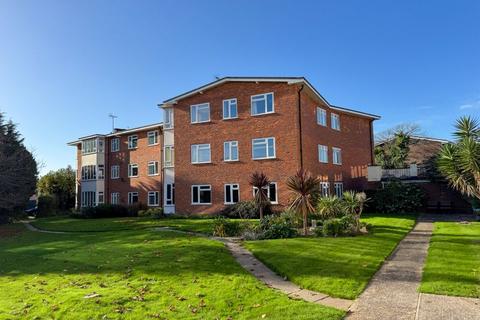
pixel 459 162
pixel 353 203
pixel 260 181
pixel 304 187
pixel 329 207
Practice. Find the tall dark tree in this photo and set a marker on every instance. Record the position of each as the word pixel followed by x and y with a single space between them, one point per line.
pixel 18 171
pixel 393 153
pixel 60 185
pixel 260 181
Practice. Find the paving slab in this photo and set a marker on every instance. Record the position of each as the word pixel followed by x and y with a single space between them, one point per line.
pixel 433 306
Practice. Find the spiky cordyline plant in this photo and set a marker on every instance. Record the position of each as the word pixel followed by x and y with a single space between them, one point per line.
pixel 459 162
pixel 260 181
pixel 352 203
pixel 304 187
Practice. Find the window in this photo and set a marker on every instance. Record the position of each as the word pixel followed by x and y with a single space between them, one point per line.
pixel 152 168
pixel 88 199
pixel 89 172
pixel 271 192
pixel 101 143
pixel 230 109
pixel 170 194
pixel 132 142
pixel 115 144
pixel 132 197
pixel 153 197
pixel 230 151
pixel 101 171
pixel 337 155
pixel 232 194
pixel 200 113
pixel 200 153
pixel 133 170
pixel 89 146
pixel 115 172
pixel 202 194
pixel 325 189
pixel 168 118
pixel 168 156
pixel 263 148
pixel 262 104
pixel 321 117
pixel 115 198
pixel 335 121
pixel 322 153
pixel 101 198
pixel 152 138
pixel 338 186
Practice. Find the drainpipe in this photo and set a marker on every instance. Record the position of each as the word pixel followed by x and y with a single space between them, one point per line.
pixel 300 124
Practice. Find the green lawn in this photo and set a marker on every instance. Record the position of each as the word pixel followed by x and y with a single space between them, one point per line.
pixel 453 262
pixel 340 267
pixel 138 274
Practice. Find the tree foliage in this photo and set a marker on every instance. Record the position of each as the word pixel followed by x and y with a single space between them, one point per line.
pixel 393 154
pixel 18 171
pixel 459 162
pixel 260 181
pixel 60 185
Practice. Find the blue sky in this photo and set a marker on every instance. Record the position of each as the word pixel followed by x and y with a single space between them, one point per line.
pixel 64 65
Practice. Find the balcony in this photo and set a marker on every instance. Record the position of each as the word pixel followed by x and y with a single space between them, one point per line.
pixel 376 173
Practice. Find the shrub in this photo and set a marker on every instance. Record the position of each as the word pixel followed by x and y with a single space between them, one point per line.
pixel 329 207
pixel 279 226
pixel 244 210
pixel 397 197
pixel 223 227
pixel 104 211
pixel 337 226
pixel 46 206
pixel 152 212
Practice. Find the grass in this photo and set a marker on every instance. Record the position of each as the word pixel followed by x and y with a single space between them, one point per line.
pixel 340 267
pixel 453 261
pixel 138 274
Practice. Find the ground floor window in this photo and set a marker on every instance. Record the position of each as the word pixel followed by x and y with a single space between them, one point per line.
pixel 170 194
pixel 271 192
pixel 89 199
pixel 101 198
pixel 153 197
pixel 115 198
pixel 132 197
pixel 201 194
pixel 325 189
pixel 338 186
pixel 232 193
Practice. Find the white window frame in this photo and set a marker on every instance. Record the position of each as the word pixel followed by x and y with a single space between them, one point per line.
pixel 155 136
pixel 268 192
pixel 89 146
pixel 156 194
pixel 168 118
pixel 168 162
pixel 196 147
pixel 335 121
pixel 338 187
pixel 325 186
pixel 115 198
pixel 115 144
pixel 115 169
pixel 199 186
pixel 265 142
pixel 229 145
pixel 233 187
pixel 321 117
pixel 228 107
pixel 322 150
pixel 156 169
pixel 101 172
pixel 89 172
pixel 264 96
pixel 194 110
pixel 130 197
pixel 100 197
pixel 336 159
pixel 130 170
pixel 131 140
pixel 89 199
pixel 170 199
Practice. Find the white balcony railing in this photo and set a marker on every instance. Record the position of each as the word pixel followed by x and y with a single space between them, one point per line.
pixel 376 173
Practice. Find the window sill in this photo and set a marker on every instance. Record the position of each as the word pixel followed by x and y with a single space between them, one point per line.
pixel 268 158
pixel 201 204
pixel 231 160
pixel 200 122
pixel 153 175
pixel 261 114
pixel 169 166
pixel 132 176
pixel 210 162
pixel 153 144
pixel 133 148
pixel 153 205
pixel 226 119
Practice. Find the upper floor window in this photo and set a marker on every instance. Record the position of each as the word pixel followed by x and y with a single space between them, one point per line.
pixel 337 155
pixel 232 193
pixel 132 142
pixel 89 172
pixel 152 138
pixel 132 197
pixel 335 121
pixel 201 194
pixel 133 170
pixel 230 151
pixel 230 109
pixel 168 156
pixel 271 192
pixel 200 113
pixel 115 144
pixel 263 148
pixel 89 146
pixel 325 189
pixel 101 171
pixel 101 143
pixel 322 153
pixel 338 186
pixel 321 116
pixel 262 104
pixel 200 153
pixel 168 118
pixel 153 198
pixel 152 168
pixel 115 172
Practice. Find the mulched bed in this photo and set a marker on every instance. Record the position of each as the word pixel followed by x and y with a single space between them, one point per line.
pixel 8 231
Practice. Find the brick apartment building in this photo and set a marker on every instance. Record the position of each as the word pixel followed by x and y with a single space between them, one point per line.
pixel 214 137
